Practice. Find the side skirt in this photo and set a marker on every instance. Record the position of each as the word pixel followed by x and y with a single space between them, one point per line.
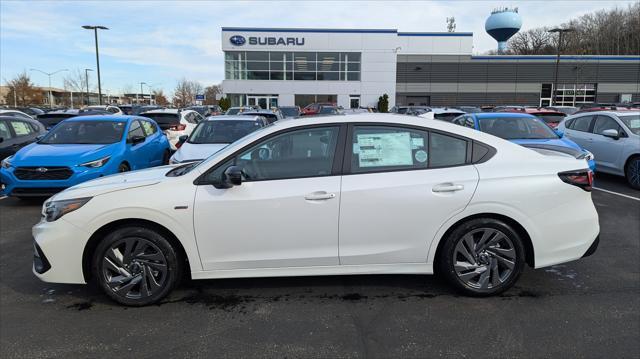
pixel 405 268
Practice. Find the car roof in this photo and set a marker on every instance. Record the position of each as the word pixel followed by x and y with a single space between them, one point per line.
pixel 233 118
pixel 607 112
pixel 114 118
pixel 482 115
pixel 438 110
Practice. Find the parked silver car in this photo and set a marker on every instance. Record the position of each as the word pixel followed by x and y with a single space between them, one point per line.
pixel 612 136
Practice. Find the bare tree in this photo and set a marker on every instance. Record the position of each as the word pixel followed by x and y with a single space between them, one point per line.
pixel 210 94
pixel 22 91
pixel 76 81
pixel 160 98
pixel 185 92
pixel 451 24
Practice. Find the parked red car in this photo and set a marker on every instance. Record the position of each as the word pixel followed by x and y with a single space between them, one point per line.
pixel 314 108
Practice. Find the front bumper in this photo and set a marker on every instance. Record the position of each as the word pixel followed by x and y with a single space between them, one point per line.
pixel 13 186
pixel 61 244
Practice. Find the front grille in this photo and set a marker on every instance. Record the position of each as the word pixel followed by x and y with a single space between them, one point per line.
pixel 43 173
pixel 35 192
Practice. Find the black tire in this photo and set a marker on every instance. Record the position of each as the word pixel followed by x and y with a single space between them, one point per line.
pixel 124 167
pixel 632 172
pixel 146 280
pixel 491 259
pixel 165 157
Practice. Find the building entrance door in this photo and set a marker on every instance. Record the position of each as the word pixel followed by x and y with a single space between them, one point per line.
pixel 263 101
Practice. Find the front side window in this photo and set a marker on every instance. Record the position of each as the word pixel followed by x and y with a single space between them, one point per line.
pixel 85 132
pixel 5 134
pixel 21 128
pixel 605 123
pixel 149 128
pixel 378 148
pixel 299 153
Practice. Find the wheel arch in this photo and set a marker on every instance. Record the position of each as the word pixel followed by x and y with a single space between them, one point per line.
pixel 629 158
pixel 528 244
pixel 99 234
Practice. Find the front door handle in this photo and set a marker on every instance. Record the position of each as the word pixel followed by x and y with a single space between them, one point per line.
pixel 447 187
pixel 319 196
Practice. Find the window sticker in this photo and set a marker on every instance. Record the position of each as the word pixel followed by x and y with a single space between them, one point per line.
pixel 385 149
pixel 421 156
pixel 635 123
pixel 417 143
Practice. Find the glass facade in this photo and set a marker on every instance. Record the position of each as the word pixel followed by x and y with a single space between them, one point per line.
pixel 568 94
pixel 297 66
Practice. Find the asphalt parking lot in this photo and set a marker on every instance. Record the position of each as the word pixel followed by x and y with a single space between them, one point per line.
pixel 588 308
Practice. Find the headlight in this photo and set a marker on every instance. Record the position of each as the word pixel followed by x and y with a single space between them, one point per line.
pixel 56 209
pixel 97 163
pixel 588 155
pixel 6 163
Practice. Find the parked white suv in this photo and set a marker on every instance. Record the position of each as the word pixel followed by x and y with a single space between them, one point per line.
pixel 174 122
pixel 354 194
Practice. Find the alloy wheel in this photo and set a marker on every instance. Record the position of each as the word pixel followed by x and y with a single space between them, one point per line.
pixel 484 258
pixel 134 268
pixel 634 172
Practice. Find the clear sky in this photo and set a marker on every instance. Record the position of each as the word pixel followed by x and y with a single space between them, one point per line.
pixel 159 42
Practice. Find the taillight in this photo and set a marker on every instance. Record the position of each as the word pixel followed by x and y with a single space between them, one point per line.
pixel 580 178
pixel 178 144
pixel 179 127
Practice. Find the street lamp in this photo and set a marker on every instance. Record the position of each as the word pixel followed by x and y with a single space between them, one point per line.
pixel 95 33
pixel 49 74
pixel 560 32
pixel 86 80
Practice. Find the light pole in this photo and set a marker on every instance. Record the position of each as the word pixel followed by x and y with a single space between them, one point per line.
pixel 95 33
pixel 142 92
pixel 49 74
pixel 561 33
pixel 86 80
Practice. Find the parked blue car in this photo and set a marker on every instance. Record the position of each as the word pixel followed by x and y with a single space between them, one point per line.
pixel 80 149
pixel 524 129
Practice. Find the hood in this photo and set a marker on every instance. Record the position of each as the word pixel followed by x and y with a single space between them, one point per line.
pixel 189 151
pixel 37 154
pixel 117 182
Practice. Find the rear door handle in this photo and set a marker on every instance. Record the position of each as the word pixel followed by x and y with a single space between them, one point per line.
pixel 447 187
pixel 319 196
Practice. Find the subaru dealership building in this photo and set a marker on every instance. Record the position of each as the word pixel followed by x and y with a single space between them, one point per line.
pixel 354 67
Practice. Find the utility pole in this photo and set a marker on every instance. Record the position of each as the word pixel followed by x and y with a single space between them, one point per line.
pixel 142 92
pixel 561 33
pixel 95 33
pixel 49 74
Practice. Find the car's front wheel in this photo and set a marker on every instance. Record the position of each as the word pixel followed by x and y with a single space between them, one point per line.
pixel 124 167
pixel 632 172
pixel 482 257
pixel 136 266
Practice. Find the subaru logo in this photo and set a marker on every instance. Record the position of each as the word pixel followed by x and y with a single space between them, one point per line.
pixel 237 40
pixel 41 169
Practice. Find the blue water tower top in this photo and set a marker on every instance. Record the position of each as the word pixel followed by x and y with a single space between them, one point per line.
pixel 502 24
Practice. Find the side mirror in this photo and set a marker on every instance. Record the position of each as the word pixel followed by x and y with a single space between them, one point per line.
pixel 183 138
pixel 558 132
pixel 136 139
pixel 611 133
pixel 232 176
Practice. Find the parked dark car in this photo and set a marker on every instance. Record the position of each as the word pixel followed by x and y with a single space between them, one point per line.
pixel 469 109
pixel 126 109
pixel 412 110
pixel 50 119
pixel 206 110
pixel 290 111
pixel 137 110
pixel 31 111
pixel 16 133
pixel 271 115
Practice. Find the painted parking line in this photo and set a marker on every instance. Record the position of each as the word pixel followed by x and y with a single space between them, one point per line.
pixel 616 193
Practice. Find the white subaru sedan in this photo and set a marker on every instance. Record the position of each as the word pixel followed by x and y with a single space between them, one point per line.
pixel 355 194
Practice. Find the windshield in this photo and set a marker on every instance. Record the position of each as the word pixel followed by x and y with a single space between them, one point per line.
pixel 85 132
pixel 550 118
pixel 632 122
pixel 222 131
pixel 512 128
pixel 290 111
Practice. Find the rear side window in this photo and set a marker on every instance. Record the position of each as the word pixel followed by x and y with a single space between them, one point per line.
pixel 581 123
pixel 447 150
pixel 149 128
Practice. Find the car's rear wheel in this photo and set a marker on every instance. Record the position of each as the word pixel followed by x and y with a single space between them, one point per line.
pixel 136 266
pixel 124 167
pixel 632 172
pixel 482 257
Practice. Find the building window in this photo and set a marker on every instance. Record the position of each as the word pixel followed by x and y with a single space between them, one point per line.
pixel 299 66
pixel 304 100
pixel 568 94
